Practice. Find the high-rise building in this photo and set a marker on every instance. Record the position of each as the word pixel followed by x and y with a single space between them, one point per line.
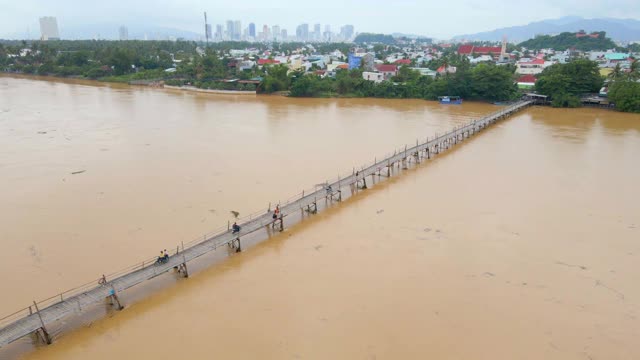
pixel 237 30
pixel 283 35
pixel 124 33
pixel 317 33
pixel 326 36
pixel 49 28
pixel 302 32
pixel 229 30
pixel 275 32
pixel 207 29
pixel 347 32
pixel 252 30
pixel 219 33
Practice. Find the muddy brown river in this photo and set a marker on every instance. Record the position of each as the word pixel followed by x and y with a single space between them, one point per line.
pixel 521 243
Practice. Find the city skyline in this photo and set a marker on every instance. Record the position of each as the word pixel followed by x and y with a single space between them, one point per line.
pixel 406 16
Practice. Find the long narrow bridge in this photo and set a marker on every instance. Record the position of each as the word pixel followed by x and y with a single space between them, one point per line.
pixel 36 317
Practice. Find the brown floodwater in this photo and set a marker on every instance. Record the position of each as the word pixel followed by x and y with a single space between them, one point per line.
pixel 523 242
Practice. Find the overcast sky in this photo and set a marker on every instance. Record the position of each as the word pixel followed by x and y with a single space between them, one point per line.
pixel 441 19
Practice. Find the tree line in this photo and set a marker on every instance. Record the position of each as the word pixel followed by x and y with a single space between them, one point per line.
pixel 568 40
pixel 487 82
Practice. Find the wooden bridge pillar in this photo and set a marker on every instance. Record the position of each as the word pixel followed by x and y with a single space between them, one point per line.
pixel 183 267
pixel 42 331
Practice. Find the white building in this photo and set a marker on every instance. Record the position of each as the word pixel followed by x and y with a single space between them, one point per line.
pixel 530 66
pixel 49 28
pixel 373 76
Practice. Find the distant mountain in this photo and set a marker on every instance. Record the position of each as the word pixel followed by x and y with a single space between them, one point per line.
pixel 616 29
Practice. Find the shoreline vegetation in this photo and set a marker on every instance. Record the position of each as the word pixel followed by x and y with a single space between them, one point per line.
pixel 218 69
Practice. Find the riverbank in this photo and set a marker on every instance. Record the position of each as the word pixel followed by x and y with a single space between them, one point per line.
pixel 209 91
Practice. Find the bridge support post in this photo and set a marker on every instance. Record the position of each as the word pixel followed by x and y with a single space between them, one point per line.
pixel 185 271
pixel 42 331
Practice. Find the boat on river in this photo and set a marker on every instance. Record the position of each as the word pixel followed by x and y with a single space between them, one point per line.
pixel 456 100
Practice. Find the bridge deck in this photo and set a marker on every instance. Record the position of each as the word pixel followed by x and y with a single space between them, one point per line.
pixel 27 321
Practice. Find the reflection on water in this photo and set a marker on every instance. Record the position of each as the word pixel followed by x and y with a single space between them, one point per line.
pixel 521 243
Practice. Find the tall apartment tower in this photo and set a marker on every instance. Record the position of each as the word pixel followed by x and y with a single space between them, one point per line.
pixel 237 30
pixel 123 33
pixel 49 28
pixel 230 32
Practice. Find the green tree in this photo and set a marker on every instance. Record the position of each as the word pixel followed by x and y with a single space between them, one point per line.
pixel 564 83
pixel 491 82
pixel 276 79
pixel 121 60
pixel 616 73
pixel 406 74
pixel 626 95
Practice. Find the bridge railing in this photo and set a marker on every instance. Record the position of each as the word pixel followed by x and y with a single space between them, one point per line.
pixel 53 300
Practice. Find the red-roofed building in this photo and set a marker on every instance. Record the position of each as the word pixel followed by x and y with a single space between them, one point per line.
pixel 263 62
pixel 479 50
pixel 530 66
pixel 449 69
pixel 387 70
pixel 402 62
pixel 582 34
pixel 527 82
pixel 527 79
pixel 486 50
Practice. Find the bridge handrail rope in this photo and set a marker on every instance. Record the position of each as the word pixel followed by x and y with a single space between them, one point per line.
pixel 367 169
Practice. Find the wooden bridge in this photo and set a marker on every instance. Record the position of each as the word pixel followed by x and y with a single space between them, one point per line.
pixel 36 317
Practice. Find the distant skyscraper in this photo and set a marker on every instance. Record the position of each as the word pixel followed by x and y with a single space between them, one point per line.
pixel 124 33
pixel 252 30
pixel 327 33
pixel 207 29
pixel 229 30
pixel 49 28
pixel 265 32
pixel 317 33
pixel 347 32
pixel 275 32
pixel 283 35
pixel 302 32
pixel 219 32
pixel 237 30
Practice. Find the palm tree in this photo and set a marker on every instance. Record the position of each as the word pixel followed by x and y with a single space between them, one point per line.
pixel 634 70
pixel 616 73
